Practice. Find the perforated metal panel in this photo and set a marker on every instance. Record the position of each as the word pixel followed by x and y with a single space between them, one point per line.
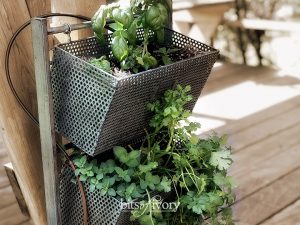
pixel 97 111
pixel 101 210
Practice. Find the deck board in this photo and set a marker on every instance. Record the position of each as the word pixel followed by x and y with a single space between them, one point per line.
pixel 264 132
pixel 269 200
pixel 11 215
pixel 7 197
pixel 289 215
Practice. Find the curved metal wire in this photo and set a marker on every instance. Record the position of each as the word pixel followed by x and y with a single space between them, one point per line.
pixel 7 58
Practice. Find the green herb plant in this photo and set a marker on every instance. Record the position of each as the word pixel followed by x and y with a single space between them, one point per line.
pixel 172 159
pixel 130 53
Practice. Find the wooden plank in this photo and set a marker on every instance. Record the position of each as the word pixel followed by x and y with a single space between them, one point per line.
pixel 77 7
pixel 228 75
pixel 16 189
pixel 257 118
pixel 269 200
pixel 38 7
pixel 266 161
pixel 288 216
pixel 4 182
pixel 21 136
pixel 238 74
pixel 7 197
pixel 3 160
pixel 224 69
pixel 46 118
pixel 264 130
pixel 27 223
pixel 11 215
pixel 223 94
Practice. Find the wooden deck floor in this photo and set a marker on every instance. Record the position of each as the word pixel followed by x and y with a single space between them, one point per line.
pixel 259 108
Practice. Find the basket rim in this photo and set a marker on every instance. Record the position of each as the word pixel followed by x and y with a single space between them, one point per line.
pixel 211 51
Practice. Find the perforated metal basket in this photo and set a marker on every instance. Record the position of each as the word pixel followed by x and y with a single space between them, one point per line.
pixel 96 110
pixel 101 210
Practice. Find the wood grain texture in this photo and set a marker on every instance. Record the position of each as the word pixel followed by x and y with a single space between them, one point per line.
pixel 29 222
pixel 77 7
pixel 265 162
pixel 11 215
pixel 265 129
pixel 288 216
pixel 268 201
pixel 231 74
pixel 16 189
pixel 6 197
pixel 4 182
pixel 21 136
pixel 38 7
pixel 257 118
pixel 46 118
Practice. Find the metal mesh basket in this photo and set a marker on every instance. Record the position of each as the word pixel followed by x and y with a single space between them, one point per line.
pixel 96 110
pixel 101 210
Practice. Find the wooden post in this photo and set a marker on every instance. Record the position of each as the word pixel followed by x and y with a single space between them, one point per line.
pixel 46 118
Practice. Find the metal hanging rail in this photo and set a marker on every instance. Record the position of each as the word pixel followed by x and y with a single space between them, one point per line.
pixel 64 28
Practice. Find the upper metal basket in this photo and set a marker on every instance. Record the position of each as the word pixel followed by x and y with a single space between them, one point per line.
pixel 96 110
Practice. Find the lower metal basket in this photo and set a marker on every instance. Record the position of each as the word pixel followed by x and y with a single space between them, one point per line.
pixel 96 110
pixel 101 210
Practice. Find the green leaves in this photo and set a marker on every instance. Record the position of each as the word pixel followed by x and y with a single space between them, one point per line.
pixel 124 174
pixel 131 159
pixel 131 192
pixel 102 63
pixel 206 202
pixel 132 32
pixel 170 111
pixel 224 181
pixel 149 181
pixel 99 22
pixel 149 15
pixel 156 16
pixel 164 52
pixel 119 48
pixel 122 16
pixel 148 167
pixel 222 159
pixel 165 185
pixel 171 156
pixel 148 213
pixel 120 153
pixel 149 61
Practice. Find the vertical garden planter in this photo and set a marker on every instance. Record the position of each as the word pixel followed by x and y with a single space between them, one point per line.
pixel 96 110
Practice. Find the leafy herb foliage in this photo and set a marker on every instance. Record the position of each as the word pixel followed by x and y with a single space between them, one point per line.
pixel 172 157
pixel 132 54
